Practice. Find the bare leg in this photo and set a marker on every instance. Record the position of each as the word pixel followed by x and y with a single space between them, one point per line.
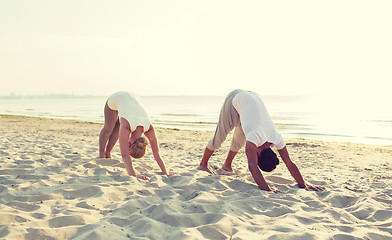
pixel 228 119
pixel 229 159
pixel 112 140
pixel 110 123
pixel 204 161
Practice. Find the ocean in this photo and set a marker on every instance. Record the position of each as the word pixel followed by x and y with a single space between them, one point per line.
pixel 295 116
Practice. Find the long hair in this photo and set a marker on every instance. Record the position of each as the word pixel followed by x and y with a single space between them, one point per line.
pixel 138 148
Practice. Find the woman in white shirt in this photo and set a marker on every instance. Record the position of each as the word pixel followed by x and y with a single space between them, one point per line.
pixel 126 120
pixel 245 112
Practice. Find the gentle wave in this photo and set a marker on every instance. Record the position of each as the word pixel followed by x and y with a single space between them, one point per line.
pixel 181 114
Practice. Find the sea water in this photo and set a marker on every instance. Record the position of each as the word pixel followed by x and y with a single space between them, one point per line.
pixel 295 116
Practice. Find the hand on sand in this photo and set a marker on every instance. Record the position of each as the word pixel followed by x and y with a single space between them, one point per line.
pixel 315 188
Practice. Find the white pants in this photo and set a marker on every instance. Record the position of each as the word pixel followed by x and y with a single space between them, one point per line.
pixel 229 119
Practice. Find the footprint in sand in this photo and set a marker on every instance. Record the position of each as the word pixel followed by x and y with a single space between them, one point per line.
pixel 107 162
pixel 23 206
pixel 84 192
pixel 4 230
pixel 220 171
pixel 342 201
pixel 37 234
pixel 279 180
pixel 65 221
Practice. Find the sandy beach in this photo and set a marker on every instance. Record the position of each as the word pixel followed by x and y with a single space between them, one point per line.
pixel 53 186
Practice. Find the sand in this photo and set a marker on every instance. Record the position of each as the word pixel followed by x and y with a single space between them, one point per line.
pixel 53 186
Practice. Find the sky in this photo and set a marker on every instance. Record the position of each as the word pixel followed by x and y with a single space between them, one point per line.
pixel 340 49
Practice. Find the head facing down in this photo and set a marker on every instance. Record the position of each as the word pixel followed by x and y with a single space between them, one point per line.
pixel 268 160
pixel 138 147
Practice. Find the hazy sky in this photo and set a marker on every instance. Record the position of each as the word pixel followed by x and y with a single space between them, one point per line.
pixel 196 47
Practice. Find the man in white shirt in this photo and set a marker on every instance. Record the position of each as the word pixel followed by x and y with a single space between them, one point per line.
pixel 245 112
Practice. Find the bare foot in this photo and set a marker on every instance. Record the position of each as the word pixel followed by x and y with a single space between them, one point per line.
pixel 275 190
pixel 108 155
pixel 226 168
pixel 204 168
pixel 141 176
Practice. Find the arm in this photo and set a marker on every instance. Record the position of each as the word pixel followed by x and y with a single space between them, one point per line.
pixel 294 171
pixel 124 133
pixel 152 138
pixel 251 154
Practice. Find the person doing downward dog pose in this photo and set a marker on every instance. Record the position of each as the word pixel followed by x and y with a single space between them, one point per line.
pixel 126 120
pixel 245 112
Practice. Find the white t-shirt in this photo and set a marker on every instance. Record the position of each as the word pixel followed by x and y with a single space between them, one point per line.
pixel 255 120
pixel 129 107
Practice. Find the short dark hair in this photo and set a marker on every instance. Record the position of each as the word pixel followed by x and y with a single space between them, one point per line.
pixel 268 160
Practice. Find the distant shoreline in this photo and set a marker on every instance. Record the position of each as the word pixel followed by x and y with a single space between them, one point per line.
pixel 22 117
pixel 294 116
